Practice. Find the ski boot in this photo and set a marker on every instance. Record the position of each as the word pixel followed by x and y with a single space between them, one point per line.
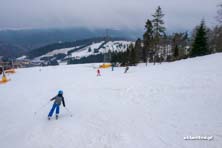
pixel 57 116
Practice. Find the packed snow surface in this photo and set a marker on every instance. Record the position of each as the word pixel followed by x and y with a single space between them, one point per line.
pixel 154 106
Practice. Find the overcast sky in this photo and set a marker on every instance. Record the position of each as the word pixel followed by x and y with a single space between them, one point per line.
pixel 179 14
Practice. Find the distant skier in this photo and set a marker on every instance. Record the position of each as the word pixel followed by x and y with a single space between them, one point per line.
pixel 1 70
pixel 58 99
pixel 112 67
pixel 127 68
pixel 98 72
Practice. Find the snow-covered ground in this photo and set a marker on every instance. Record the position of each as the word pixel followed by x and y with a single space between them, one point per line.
pixel 84 52
pixel 56 51
pixel 109 46
pixel 117 46
pixel 154 106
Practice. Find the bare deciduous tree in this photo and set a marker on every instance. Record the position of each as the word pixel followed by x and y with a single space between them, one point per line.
pixel 219 14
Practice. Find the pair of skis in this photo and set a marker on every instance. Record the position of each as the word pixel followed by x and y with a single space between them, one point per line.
pixel 70 113
pixel 57 117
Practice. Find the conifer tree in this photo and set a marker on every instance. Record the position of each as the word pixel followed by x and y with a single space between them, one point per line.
pixel 219 14
pixel 133 60
pixel 89 50
pixel 147 40
pixel 158 27
pixel 200 45
pixel 138 49
pixel 176 51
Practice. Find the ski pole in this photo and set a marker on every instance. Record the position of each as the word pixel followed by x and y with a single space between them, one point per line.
pixel 41 107
pixel 68 111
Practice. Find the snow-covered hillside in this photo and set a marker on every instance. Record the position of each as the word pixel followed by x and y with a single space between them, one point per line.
pixel 86 51
pixel 154 106
pixel 58 51
pixel 92 49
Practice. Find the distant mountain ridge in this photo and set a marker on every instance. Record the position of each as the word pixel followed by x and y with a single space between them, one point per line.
pixel 78 48
pixel 35 38
pixel 14 43
pixel 9 50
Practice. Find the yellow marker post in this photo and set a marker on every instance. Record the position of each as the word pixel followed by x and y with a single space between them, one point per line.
pixel 4 78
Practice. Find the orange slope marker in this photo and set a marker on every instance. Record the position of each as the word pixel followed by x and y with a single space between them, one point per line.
pixel 10 71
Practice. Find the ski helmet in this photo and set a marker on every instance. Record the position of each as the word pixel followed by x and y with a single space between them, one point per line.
pixel 60 92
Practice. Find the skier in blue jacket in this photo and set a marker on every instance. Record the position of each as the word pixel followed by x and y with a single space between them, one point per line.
pixel 57 102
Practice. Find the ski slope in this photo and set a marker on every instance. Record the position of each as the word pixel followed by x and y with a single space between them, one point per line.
pixel 55 52
pixel 84 51
pixel 109 46
pixel 154 106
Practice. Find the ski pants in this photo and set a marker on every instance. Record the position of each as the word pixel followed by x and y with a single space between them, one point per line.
pixel 55 106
